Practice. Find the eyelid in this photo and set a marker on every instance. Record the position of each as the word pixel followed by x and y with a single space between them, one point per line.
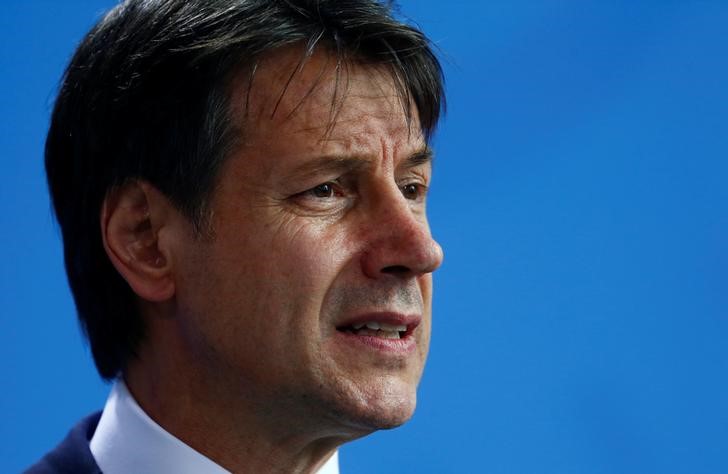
pixel 415 177
pixel 335 189
pixel 421 190
pixel 306 202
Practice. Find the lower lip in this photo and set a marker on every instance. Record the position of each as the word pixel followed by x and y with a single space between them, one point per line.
pixel 396 347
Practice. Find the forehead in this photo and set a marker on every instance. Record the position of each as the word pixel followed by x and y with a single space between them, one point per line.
pixel 322 101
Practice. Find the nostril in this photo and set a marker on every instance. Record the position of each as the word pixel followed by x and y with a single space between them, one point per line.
pixel 396 270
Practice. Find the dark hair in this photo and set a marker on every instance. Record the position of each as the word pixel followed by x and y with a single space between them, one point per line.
pixel 146 96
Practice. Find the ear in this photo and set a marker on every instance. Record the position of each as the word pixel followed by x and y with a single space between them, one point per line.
pixel 131 218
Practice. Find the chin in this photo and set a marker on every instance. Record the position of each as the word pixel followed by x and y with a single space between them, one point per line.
pixel 386 406
pixel 392 419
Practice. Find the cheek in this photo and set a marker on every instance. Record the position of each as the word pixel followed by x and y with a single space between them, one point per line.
pixel 309 257
pixel 273 278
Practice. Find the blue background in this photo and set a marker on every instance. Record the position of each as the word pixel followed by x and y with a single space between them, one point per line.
pixel 581 196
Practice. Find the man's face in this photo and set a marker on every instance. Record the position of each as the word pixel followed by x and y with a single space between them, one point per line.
pixel 319 236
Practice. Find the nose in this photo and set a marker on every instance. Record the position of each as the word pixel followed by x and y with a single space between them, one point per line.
pixel 400 244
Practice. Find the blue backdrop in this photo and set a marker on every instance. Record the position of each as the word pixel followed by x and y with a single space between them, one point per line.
pixel 581 196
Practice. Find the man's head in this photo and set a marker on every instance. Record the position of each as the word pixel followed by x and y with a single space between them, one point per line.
pixel 242 184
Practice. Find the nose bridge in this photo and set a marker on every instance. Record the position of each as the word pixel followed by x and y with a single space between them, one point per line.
pixel 400 241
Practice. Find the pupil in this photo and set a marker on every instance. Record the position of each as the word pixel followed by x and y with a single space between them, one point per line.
pixel 410 191
pixel 322 190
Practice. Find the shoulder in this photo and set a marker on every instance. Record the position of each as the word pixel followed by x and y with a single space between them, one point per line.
pixel 73 454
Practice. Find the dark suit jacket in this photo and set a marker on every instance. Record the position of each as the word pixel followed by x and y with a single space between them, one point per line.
pixel 73 455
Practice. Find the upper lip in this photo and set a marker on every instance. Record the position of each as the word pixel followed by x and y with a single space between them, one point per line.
pixel 386 317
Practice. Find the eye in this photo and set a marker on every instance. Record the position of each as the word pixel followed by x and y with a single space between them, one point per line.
pixel 324 190
pixel 413 191
pixel 327 198
pixel 328 195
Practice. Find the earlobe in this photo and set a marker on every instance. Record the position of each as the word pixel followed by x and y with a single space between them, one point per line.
pixel 131 217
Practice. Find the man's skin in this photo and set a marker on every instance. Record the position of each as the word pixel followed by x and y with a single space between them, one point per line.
pixel 317 224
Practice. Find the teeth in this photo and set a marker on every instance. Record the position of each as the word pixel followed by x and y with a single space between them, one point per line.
pixel 378 333
pixel 373 325
pixel 388 334
pixel 384 330
pixel 392 327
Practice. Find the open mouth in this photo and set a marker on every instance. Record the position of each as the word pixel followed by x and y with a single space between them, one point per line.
pixel 377 329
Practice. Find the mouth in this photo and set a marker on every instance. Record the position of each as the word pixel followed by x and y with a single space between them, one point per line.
pixel 378 329
pixel 389 332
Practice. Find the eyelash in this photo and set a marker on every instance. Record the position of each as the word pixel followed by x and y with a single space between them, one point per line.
pixel 419 189
pixel 329 190
pixel 331 187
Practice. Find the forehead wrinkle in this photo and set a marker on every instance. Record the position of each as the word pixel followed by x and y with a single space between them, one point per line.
pixel 276 85
pixel 338 106
pixel 318 82
pixel 289 64
pixel 330 136
pixel 313 91
pixel 366 104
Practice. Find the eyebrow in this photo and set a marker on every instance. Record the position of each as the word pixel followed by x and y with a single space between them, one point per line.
pixel 330 163
pixel 349 164
pixel 422 156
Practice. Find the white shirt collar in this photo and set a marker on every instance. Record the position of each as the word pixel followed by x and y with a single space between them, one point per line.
pixel 128 441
